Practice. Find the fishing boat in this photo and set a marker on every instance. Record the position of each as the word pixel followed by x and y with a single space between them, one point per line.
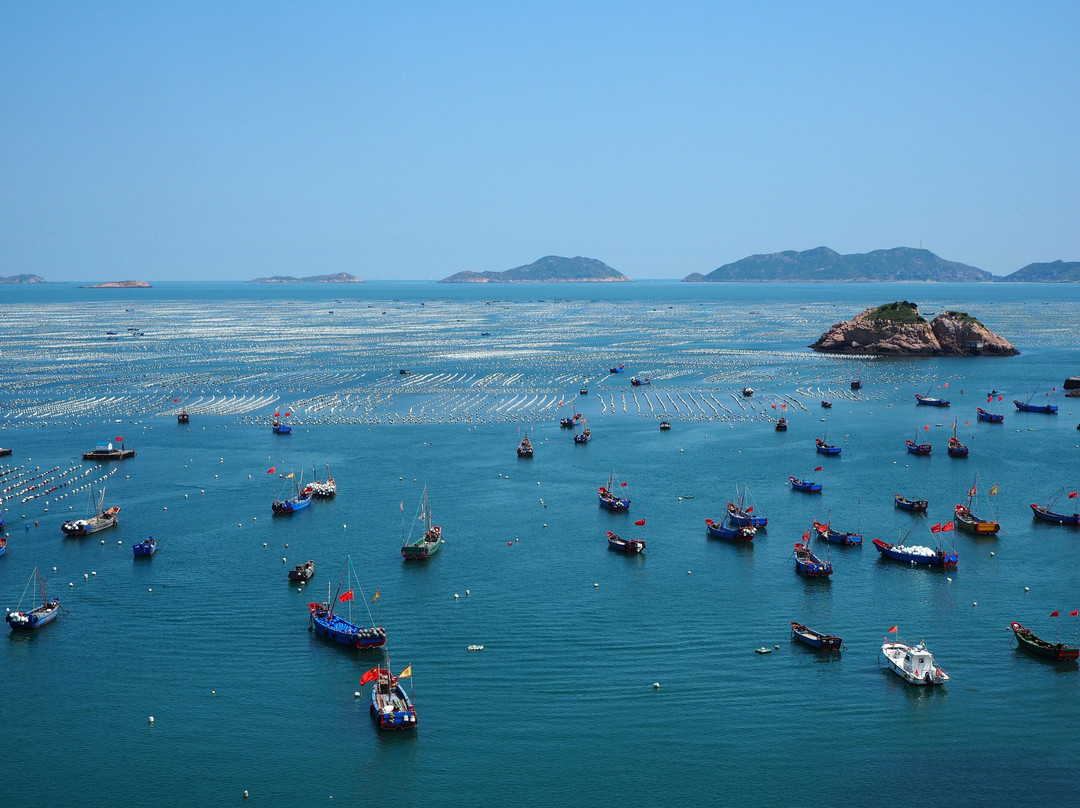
pixel 826 404
pixel 571 421
pixel 525 448
pixel 607 496
pixel 917 554
pixel 106 451
pixel 914 505
pixel 326 622
pixel 302 573
pixel 665 426
pixel 182 417
pixel 747 392
pixel 616 542
pixel 3 543
pixel 584 391
pixel 913 663
pixel 814 639
pixel 639 382
pixel 323 489
pixel 146 547
pixel 39 615
pixel 969 522
pixel 826 533
pixel 101 520
pixel 391 707
pixel 989 417
pixel 429 542
pixel 917 448
pixel 617 369
pixel 781 424
pixel 300 499
pixel 279 426
pixel 856 385
pixel 956 448
pixel 1024 406
pixel 825 448
pixel 739 513
pixel 583 436
pixel 927 401
pixel 807 562
pixel 1044 648
pixel 804 485
pixel 722 530
pixel 1044 513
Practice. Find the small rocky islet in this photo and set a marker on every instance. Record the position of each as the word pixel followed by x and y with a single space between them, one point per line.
pixel 897 329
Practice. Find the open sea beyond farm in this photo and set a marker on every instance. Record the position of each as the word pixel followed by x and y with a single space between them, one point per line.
pixel 209 637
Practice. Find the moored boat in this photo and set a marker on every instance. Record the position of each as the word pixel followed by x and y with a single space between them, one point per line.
pixel 968 521
pixel 1023 406
pixel 525 447
pixel 989 417
pixel 814 639
pixel 280 426
pixel 300 499
pixel 856 385
pixel 638 382
pixel 905 504
pixel 39 615
pixel 743 517
pixel 616 542
pixel 722 530
pixel 916 554
pixel 825 448
pixel 3 543
pixel 146 547
pixel 429 542
pixel 781 424
pixel 747 392
pixel 326 622
pixel 391 707
pixel 101 520
pixel 913 663
pixel 583 436
pixel 956 448
pixel 1042 513
pixel 927 401
pixel 807 562
pixel 106 451
pixel 1044 648
pixel 827 405
pixel 302 573
pixel 182 417
pixel 323 489
pixel 918 448
pixel 608 498
pixel 826 533
pixel 665 426
pixel 804 485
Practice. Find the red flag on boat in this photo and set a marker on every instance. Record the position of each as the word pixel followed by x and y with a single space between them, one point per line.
pixel 119 438
pixel 892 630
pixel 271 470
pixel 175 400
pixel 623 485
pixel 376 595
pixel 999 398
pixel 640 522
pixel 947 526
pixel 370 676
pixel 935 528
pixel 750 509
pixel 277 414
pixel 989 399
pixel 806 536
pixel 926 427
pixel 288 414
pixel 774 406
pixel 1053 614
pixel 345 596
pixel 1074 612
pixel 1072 495
pixel 965 423
pixel 971 493
pixel 817 468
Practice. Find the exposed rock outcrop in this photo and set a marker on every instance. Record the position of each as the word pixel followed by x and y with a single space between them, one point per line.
pixel 897 329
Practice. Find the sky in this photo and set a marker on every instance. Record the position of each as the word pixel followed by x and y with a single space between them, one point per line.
pixel 399 141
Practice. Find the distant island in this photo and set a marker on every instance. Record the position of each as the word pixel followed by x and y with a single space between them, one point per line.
pixel 822 264
pixel 897 329
pixel 119 285
pixel 340 277
pixel 23 279
pixel 549 269
pixel 1054 272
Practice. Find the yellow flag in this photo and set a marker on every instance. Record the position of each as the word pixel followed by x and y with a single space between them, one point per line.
pixel 289 476
pixel 993 489
pixel 405 673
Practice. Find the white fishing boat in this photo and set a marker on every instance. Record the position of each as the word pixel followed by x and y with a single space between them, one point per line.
pixel 913 663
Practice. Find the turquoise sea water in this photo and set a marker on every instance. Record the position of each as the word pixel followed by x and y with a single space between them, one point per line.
pixel 559 707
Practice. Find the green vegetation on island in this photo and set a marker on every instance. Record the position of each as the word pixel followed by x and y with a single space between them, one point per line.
pixel 25 278
pixel 1053 272
pixel 339 277
pixel 549 269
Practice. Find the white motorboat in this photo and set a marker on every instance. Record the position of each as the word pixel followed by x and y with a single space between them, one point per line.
pixel 913 663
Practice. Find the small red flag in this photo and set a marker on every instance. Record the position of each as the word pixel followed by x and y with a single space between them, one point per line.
pixel 345 596
pixel 750 509
pixel 774 406
pixel 1072 495
pixel 376 595
pixel 175 400
pixel 892 630
pixel 946 384
pixel 119 438
pixel 271 470
pixel 947 526
pixel 935 528
pixel 288 414
pixel 277 414
pixel 817 468
pixel 1074 612
pixel 1053 614
pixel 640 522
pixel 999 398
pixel 806 536
pixel 926 427
pixel 623 485
pixel 370 676
pixel 989 399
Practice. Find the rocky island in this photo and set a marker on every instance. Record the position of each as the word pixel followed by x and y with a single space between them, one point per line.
pixel 897 329
pixel 549 269
pixel 1053 272
pixel 119 285
pixel 26 278
pixel 338 277
pixel 822 264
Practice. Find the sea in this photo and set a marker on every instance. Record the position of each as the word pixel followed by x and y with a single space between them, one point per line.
pixel 191 678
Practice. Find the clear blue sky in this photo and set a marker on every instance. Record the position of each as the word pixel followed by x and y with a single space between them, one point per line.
pixel 399 140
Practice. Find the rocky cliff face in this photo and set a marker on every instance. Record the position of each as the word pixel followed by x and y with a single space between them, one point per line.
pixel 877 332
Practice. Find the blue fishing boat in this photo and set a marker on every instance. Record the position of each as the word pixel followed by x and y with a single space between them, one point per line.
pixel 1042 513
pixel 781 424
pixel 571 421
pixel 391 707
pixel 813 639
pixel 826 533
pixel 905 504
pixel 825 448
pixel 3 545
pixel 804 485
pixel 639 382
pixel 927 401
pixel 146 547
pixel 856 385
pixel 279 426
pixel 917 554
pixel 721 530
pixel 326 622
pixel 583 436
pixel 618 369
pixel 745 518
pixel 616 542
pixel 989 417
pixel 297 502
pixel 39 615
pixel 956 448
pixel 918 448
pixel 608 498
pixel 807 562
pixel 1023 406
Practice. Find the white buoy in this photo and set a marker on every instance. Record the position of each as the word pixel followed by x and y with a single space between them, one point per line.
pixel 151 719
pixel 70 584
pixel 264 544
pixel 356 694
pixel 103 541
pixel 283 560
pixel 85 577
pixel 245 794
pixel 974 603
pixel 466 593
pixel 991 553
pixel 689 572
pixel 150 590
pixel 54 569
pixel 948 579
pixel 165 508
pixel 118 541
pixel 596 586
pixel 1027 588
pixel 655 685
pixel 455 596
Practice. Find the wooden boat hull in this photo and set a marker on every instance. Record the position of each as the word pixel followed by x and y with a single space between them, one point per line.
pixel 805 485
pixel 421 549
pixel 722 531
pixel 744 519
pixel 914 505
pixel 392 711
pixel 813 639
pixel 611 502
pixel 302 573
pixel 826 533
pixel 35 618
pixel 808 564
pixel 940 559
pixel 967 521
pixel 337 629
pixel 1043 514
pixel 1060 652
pixel 918 448
pixel 924 401
pixel 957 451
pixel 291 505
pixel 3 543
pixel 826 449
pixel 629 546
pixel 85 527
pixel 989 417
pixel 112 454
pixel 1046 409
